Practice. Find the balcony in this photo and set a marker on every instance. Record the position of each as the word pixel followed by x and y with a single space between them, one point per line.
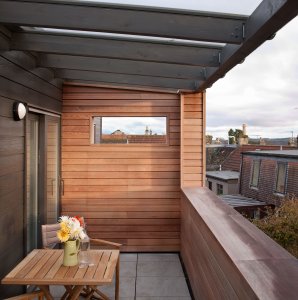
pixel 148 197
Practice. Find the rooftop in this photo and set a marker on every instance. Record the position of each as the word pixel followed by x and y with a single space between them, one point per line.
pixel 274 153
pixel 224 175
pixel 241 201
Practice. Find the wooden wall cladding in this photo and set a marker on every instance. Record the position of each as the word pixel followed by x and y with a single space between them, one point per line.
pixel 193 139
pixel 19 81
pixel 127 193
pixel 227 257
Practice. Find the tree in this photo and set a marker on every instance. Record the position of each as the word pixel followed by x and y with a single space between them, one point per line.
pixel 209 138
pixel 235 135
pixel 281 224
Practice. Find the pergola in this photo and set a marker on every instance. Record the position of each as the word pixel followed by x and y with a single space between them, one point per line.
pixel 136 46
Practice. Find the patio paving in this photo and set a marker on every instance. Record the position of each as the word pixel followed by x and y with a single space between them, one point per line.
pixel 145 276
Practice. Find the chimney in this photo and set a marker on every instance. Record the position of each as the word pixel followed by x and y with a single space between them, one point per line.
pixel 244 129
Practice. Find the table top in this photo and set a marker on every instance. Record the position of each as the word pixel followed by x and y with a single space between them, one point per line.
pixel 44 267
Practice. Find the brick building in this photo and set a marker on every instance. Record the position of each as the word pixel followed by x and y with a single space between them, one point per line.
pixel 233 161
pixel 269 175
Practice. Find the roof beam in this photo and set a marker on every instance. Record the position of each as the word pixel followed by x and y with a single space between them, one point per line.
pixel 5 36
pixel 121 66
pixel 126 19
pixel 117 48
pixel 125 79
pixel 265 21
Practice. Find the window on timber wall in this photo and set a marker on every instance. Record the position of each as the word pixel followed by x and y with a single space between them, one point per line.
pixel 210 185
pixel 129 130
pixel 219 189
pixel 254 180
pixel 281 178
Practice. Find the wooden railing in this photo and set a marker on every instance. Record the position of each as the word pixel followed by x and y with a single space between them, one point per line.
pixel 227 257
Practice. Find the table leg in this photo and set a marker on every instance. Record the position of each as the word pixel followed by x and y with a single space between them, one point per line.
pixel 117 279
pixel 75 293
pixel 46 291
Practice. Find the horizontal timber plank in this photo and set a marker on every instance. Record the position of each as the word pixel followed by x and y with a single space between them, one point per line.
pixel 115 201
pixel 141 236
pixel 87 115
pixel 148 228
pixel 121 168
pixel 159 248
pixel 120 175
pixel 119 162
pixel 122 154
pixel 135 221
pixel 120 103
pixel 128 215
pixel 124 195
pixel 118 96
pixel 122 208
pixel 122 109
pixel 121 188
pixel 150 148
pixel 122 182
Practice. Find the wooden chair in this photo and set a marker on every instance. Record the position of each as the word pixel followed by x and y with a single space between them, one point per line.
pixel 30 296
pixel 50 240
pixel 49 235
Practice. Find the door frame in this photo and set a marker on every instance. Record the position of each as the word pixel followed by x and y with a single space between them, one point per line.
pixel 43 118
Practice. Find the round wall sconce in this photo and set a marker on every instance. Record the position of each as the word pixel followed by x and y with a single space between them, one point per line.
pixel 19 111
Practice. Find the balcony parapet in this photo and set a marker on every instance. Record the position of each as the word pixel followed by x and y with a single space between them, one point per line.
pixel 227 257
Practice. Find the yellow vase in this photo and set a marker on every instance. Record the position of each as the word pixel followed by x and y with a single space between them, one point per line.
pixel 71 250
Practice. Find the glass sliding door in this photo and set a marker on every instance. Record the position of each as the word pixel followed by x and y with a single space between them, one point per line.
pixel 32 173
pixel 52 170
pixel 42 175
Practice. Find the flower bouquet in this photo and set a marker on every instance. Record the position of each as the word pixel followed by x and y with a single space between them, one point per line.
pixel 70 233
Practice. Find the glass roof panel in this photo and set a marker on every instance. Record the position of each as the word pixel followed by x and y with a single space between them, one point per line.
pixel 118 36
pixel 243 7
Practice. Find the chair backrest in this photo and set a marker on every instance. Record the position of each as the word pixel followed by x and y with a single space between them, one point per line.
pixel 49 235
pixel 30 296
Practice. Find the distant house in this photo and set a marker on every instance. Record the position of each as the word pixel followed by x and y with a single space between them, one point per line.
pixel 269 175
pixel 222 182
pixel 233 161
pixel 250 208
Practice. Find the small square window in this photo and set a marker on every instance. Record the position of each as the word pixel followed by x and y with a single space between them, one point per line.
pixel 281 177
pixel 210 185
pixel 219 189
pixel 254 180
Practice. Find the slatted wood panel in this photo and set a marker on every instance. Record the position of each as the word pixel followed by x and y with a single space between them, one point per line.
pixel 227 257
pixel 193 139
pixel 128 193
pixel 18 82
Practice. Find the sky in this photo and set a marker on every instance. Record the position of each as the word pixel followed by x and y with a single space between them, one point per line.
pixel 134 125
pixel 263 91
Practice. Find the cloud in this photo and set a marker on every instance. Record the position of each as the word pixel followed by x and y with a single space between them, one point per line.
pixel 262 92
pixel 134 125
pixel 232 6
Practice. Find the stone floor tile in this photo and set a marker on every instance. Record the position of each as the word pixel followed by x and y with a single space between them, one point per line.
pixel 128 257
pixel 128 269
pixel 160 268
pixel 162 287
pixel 127 288
pixel 158 257
pixel 163 298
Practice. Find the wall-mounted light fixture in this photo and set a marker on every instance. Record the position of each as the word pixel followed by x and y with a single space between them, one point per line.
pixel 19 111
